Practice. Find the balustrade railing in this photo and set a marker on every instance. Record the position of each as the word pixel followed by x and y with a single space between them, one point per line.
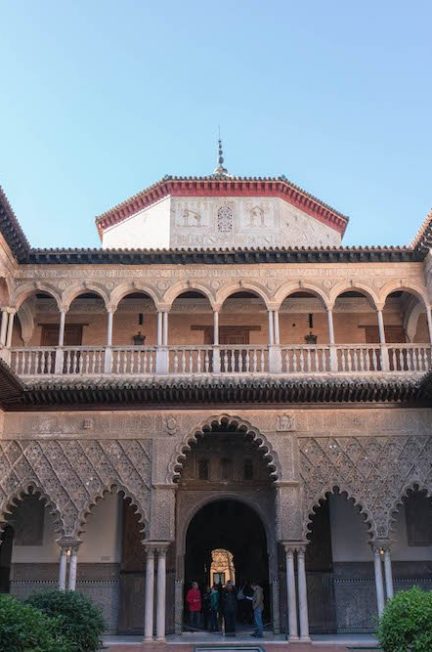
pixel 305 359
pixel 244 359
pixel 133 360
pixel 223 359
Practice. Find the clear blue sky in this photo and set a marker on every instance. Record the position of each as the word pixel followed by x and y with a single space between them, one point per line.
pixel 100 98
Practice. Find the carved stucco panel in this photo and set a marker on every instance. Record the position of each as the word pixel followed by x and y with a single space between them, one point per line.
pixel 74 474
pixel 374 471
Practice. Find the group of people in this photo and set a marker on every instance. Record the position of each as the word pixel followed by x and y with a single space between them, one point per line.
pixel 223 605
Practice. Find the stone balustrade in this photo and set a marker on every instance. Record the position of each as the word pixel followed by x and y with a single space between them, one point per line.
pixel 181 360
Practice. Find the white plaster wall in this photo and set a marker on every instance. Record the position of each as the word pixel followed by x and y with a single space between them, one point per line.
pixel 256 222
pixel 350 539
pixel 400 550
pixel 101 541
pixel 348 532
pixel 150 228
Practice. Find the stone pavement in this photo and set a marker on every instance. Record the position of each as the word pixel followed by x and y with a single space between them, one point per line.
pixel 187 643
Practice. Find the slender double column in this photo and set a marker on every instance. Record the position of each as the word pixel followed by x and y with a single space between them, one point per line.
pixel 382 557
pixel 297 611
pixel 68 565
pixel 155 551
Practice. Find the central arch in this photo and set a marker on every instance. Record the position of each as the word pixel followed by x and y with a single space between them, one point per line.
pixel 234 527
pixel 225 472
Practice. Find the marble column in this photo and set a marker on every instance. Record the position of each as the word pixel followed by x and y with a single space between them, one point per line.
pixel 161 592
pixel 62 327
pixel 382 339
pixel 159 328
pixel 12 312
pixel 379 586
pixel 381 330
pixel 216 327
pixel 302 589
pixel 62 569
pixel 429 321
pixel 165 329
pixel 291 594
pixel 388 574
pixel 149 594
pixel 73 564
pixel 270 328
pixel 330 326
pixel 276 326
pixel 4 324
pixel 110 322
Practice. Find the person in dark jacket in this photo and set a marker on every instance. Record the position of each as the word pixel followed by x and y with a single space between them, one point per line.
pixel 230 608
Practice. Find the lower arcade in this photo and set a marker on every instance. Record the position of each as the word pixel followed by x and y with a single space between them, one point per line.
pixel 226 501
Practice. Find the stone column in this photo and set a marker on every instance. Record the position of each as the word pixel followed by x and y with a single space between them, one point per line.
pixel 388 574
pixel 62 569
pixel 216 364
pixel 149 594
pixel 59 355
pixel 429 322
pixel 159 328
pixel 291 594
pixel 331 338
pixel 384 351
pixel 108 350
pixel 270 328
pixel 4 324
pixel 276 325
pixel 161 592
pixel 165 329
pixel 302 589
pixel 12 312
pixel 73 568
pixel 379 586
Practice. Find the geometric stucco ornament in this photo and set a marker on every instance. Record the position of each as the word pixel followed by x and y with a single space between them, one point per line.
pixel 171 425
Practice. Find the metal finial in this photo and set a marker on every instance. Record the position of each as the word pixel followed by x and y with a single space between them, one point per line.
pixel 220 171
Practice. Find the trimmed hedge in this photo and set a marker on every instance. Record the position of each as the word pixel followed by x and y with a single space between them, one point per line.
pixel 406 624
pixel 79 620
pixel 24 628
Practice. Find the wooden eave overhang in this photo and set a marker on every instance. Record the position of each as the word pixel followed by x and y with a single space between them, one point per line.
pixel 264 391
pixel 11 229
pixel 224 186
pixel 231 256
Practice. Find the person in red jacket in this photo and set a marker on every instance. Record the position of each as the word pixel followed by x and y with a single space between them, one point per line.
pixel 193 602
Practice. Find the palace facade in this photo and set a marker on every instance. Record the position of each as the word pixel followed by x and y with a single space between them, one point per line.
pixel 221 390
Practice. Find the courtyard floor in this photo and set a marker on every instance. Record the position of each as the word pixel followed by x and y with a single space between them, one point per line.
pixel 188 642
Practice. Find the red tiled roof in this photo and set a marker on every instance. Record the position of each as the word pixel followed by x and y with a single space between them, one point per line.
pixel 224 186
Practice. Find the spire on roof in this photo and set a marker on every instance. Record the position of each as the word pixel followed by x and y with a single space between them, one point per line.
pixel 220 171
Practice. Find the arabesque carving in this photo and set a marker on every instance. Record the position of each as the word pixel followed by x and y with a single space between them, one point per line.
pixel 374 471
pixel 73 475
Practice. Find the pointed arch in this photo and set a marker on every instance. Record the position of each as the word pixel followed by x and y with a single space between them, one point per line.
pixel 111 487
pixel 412 486
pixel 23 489
pixel 338 489
pixel 231 422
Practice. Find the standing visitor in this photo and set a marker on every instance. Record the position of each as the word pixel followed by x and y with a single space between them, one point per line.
pixel 193 602
pixel 258 606
pixel 230 608
pixel 214 608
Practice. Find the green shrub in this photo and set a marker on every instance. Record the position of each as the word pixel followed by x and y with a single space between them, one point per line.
pixel 24 628
pixel 80 621
pixel 406 624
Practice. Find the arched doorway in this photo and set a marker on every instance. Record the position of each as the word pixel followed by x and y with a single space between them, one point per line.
pixel 226 540
pixel 226 500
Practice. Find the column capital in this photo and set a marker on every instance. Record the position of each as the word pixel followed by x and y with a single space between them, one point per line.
pixel 294 546
pixel 68 544
pixel 153 547
pixel 11 310
pixel 64 307
pixel 111 308
pixel 380 545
